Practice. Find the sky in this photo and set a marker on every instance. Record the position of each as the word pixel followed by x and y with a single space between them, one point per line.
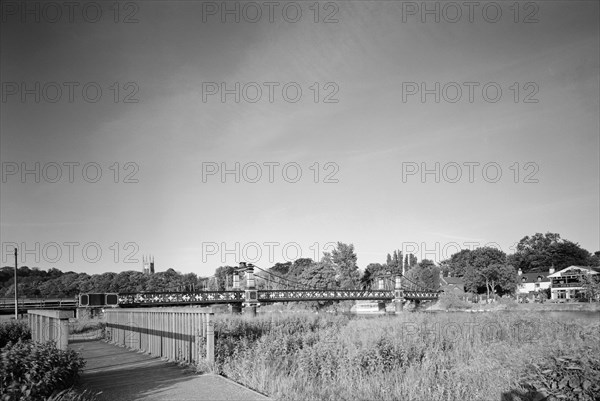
pixel 364 122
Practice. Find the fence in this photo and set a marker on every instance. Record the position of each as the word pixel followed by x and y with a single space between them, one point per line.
pixel 50 325
pixel 177 334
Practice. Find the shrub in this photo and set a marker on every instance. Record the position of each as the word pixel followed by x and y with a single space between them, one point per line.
pixel 34 371
pixel 450 301
pixel 572 377
pixel 13 331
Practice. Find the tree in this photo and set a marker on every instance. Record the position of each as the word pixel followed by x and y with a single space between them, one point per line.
pixel 457 264
pixel 540 251
pixel 594 260
pixel 343 260
pixel 498 275
pixel 426 274
pixel 591 285
pixel 298 267
pixel 394 263
pixel 369 277
pixel 319 275
pixel 477 263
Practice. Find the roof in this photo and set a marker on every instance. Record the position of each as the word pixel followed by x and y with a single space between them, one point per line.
pixel 533 277
pixel 592 270
pixel 453 280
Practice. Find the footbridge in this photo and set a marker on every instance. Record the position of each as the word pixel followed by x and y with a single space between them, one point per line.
pixel 251 296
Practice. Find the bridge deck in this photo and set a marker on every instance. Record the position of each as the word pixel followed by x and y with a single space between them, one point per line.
pixel 228 297
pixel 121 374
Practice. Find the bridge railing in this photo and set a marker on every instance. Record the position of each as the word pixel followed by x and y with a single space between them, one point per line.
pixel 173 333
pixel 50 325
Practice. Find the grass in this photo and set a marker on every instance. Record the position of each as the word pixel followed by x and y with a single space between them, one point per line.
pixel 416 356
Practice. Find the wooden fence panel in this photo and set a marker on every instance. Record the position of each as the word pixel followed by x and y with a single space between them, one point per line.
pixel 178 334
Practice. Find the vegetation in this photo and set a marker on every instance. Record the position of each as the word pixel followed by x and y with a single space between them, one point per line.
pixel 540 251
pixel 34 371
pixel 484 270
pixel 13 331
pixel 416 356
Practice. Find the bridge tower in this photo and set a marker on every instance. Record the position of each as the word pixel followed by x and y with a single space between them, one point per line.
pixel 251 294
pixel 236 308
pixel 381 286
pixel 398 294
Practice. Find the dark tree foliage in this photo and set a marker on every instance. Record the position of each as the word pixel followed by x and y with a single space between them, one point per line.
pixel 541 251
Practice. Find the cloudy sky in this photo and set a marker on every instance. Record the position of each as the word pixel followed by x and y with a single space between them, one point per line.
pixel 499 104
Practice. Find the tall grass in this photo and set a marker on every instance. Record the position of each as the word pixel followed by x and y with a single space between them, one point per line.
pixel 415 356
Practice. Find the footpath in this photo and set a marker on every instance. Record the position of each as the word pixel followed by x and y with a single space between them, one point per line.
pixel 119 374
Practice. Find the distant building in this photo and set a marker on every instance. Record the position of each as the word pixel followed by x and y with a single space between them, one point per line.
pixel 148 265
pixel 453 285
pixel 566 284
pixel 533 282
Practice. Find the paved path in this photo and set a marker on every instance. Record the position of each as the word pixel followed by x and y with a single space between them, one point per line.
pixel 122 374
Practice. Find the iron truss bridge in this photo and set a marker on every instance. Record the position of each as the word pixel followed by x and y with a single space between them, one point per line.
pixel 8 305
pixel 229 297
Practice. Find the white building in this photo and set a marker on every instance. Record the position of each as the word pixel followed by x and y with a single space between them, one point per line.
pixel 566 284
pixel 534 282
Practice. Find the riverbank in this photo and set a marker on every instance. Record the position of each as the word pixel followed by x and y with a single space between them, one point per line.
pixel 513 306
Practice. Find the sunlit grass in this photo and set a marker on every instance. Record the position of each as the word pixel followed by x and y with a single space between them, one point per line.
pixel 414 356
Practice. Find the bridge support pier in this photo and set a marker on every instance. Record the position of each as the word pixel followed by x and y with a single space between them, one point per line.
pixel 251 294
pixel 398 295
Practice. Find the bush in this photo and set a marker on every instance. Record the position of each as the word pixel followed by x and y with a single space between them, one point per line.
pixel 13 331
pixel 450 301
pixel 34 371
pixel 572 377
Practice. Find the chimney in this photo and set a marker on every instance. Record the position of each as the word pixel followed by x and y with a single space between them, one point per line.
pixel 551 271
pixel 520 272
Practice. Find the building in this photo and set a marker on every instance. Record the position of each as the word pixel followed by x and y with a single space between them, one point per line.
pixel 530 283
pixel 566 284
pixel 453 285
pixel 148 265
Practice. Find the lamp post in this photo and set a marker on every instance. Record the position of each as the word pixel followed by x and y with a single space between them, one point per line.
pixel 16 289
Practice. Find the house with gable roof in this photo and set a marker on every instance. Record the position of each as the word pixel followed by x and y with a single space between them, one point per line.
pixel 567 284
pixel 530 283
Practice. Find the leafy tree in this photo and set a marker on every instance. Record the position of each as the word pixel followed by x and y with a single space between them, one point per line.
pixel 457 264
pixel 426 274
pixel 369 277
pixel 591 285
pixel 298 267
pixel 410 261
pixel 498 275
pixel 319 275
pixel 394 263
pixel 594 259
pixel 343 260
pixel 477 263
pixel 540 251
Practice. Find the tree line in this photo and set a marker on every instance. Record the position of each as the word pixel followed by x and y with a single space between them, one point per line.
pixel 483 270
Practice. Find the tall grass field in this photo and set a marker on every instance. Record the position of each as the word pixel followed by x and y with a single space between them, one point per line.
pixel 413 356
